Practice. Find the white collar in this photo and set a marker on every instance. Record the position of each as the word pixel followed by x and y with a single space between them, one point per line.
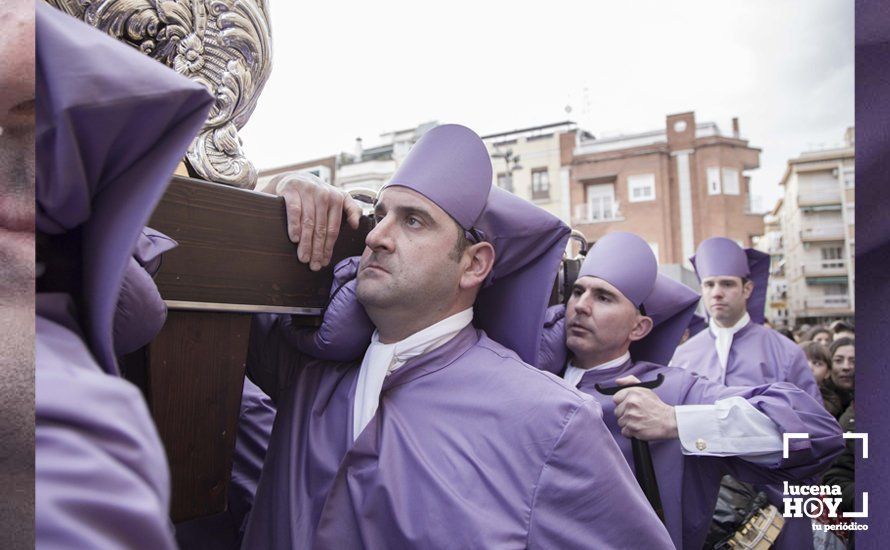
pixel 573 374
pixel 723 337
pixel 382 359
pixel 427 339
pixel 740 324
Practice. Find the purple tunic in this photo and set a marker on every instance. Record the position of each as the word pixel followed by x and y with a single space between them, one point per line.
pixel 758 355
pixel 101 474
pixel 689 484
pixel 470 448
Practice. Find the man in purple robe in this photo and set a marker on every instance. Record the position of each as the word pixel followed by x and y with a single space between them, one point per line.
pixel 111 126
pixel 736 349
pixel 440 435
pixel 621 323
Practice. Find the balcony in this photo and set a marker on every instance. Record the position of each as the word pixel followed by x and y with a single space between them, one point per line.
pixel 815 233
pixel 828 302
pixel 824 268
pixel 597 212
pixel 817 198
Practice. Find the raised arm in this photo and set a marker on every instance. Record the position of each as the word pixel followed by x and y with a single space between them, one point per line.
pixel 314 212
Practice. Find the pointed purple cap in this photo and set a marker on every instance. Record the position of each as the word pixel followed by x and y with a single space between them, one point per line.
pixel 671 306
pixel 112 124
pixel 625 261
pixel 722 257
pixel 450 166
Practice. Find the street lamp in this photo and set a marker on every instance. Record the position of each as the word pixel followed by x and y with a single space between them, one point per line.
pixel 511 162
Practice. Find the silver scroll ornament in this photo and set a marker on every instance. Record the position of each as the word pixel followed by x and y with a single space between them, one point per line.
pixel 226 45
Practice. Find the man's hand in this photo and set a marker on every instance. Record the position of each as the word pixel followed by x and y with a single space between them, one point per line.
pixel 314 213
pixel 642 414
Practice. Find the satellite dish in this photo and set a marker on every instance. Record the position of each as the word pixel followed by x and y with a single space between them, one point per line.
pixel 568 109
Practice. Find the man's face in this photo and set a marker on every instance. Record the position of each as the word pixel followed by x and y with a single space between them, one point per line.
pixel 823 338
pixel 409 262
pixel 599 320
pixel 843 367
pixel 16 63
pixel 726 298
pixel 17 153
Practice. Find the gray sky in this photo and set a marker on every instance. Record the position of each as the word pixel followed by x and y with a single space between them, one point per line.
pixel 348 69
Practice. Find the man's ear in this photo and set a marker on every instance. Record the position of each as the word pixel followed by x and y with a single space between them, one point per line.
pixel 641 329
pixel 748 289
pixel 479 260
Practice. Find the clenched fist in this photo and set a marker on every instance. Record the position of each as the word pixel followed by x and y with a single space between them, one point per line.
pixel 642 414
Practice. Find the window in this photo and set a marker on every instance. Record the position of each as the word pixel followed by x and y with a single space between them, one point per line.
pixel 851 213
pixel 713 181
pixel 505 181
pixel 832 256
pixel 849 178
pixel 835 291
pixel 600 202
pixel 730 181
pixel 641 187
pixel 540 184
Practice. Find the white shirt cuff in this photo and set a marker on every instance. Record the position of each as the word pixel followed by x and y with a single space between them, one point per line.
pixel 729 427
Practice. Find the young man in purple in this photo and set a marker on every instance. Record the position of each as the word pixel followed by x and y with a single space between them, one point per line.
pixel 736 349
pixel 440 435
pixel 621 324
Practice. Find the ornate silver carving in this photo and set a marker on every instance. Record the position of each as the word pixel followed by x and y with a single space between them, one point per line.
pixel 226 45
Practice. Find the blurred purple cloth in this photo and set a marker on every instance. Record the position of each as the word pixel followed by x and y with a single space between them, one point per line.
pixel 470 448
pixel 111 126
pixel 872 253
pixel 101 473
pixel 140 312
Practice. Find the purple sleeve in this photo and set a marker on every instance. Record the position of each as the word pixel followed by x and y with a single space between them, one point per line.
pixel 793 411
pixel 345 331
pixel 271 360
pixel 586 496
pixel 101 474
pixel 552 353
pixel 255 421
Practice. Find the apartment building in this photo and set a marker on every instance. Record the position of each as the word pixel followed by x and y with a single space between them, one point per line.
pixel 818 234
pixel 773 243
pixel 529 163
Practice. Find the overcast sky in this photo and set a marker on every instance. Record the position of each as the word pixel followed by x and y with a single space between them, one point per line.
pixel 348 69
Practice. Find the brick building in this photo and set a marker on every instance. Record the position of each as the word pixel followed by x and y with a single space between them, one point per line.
pixel 675 187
